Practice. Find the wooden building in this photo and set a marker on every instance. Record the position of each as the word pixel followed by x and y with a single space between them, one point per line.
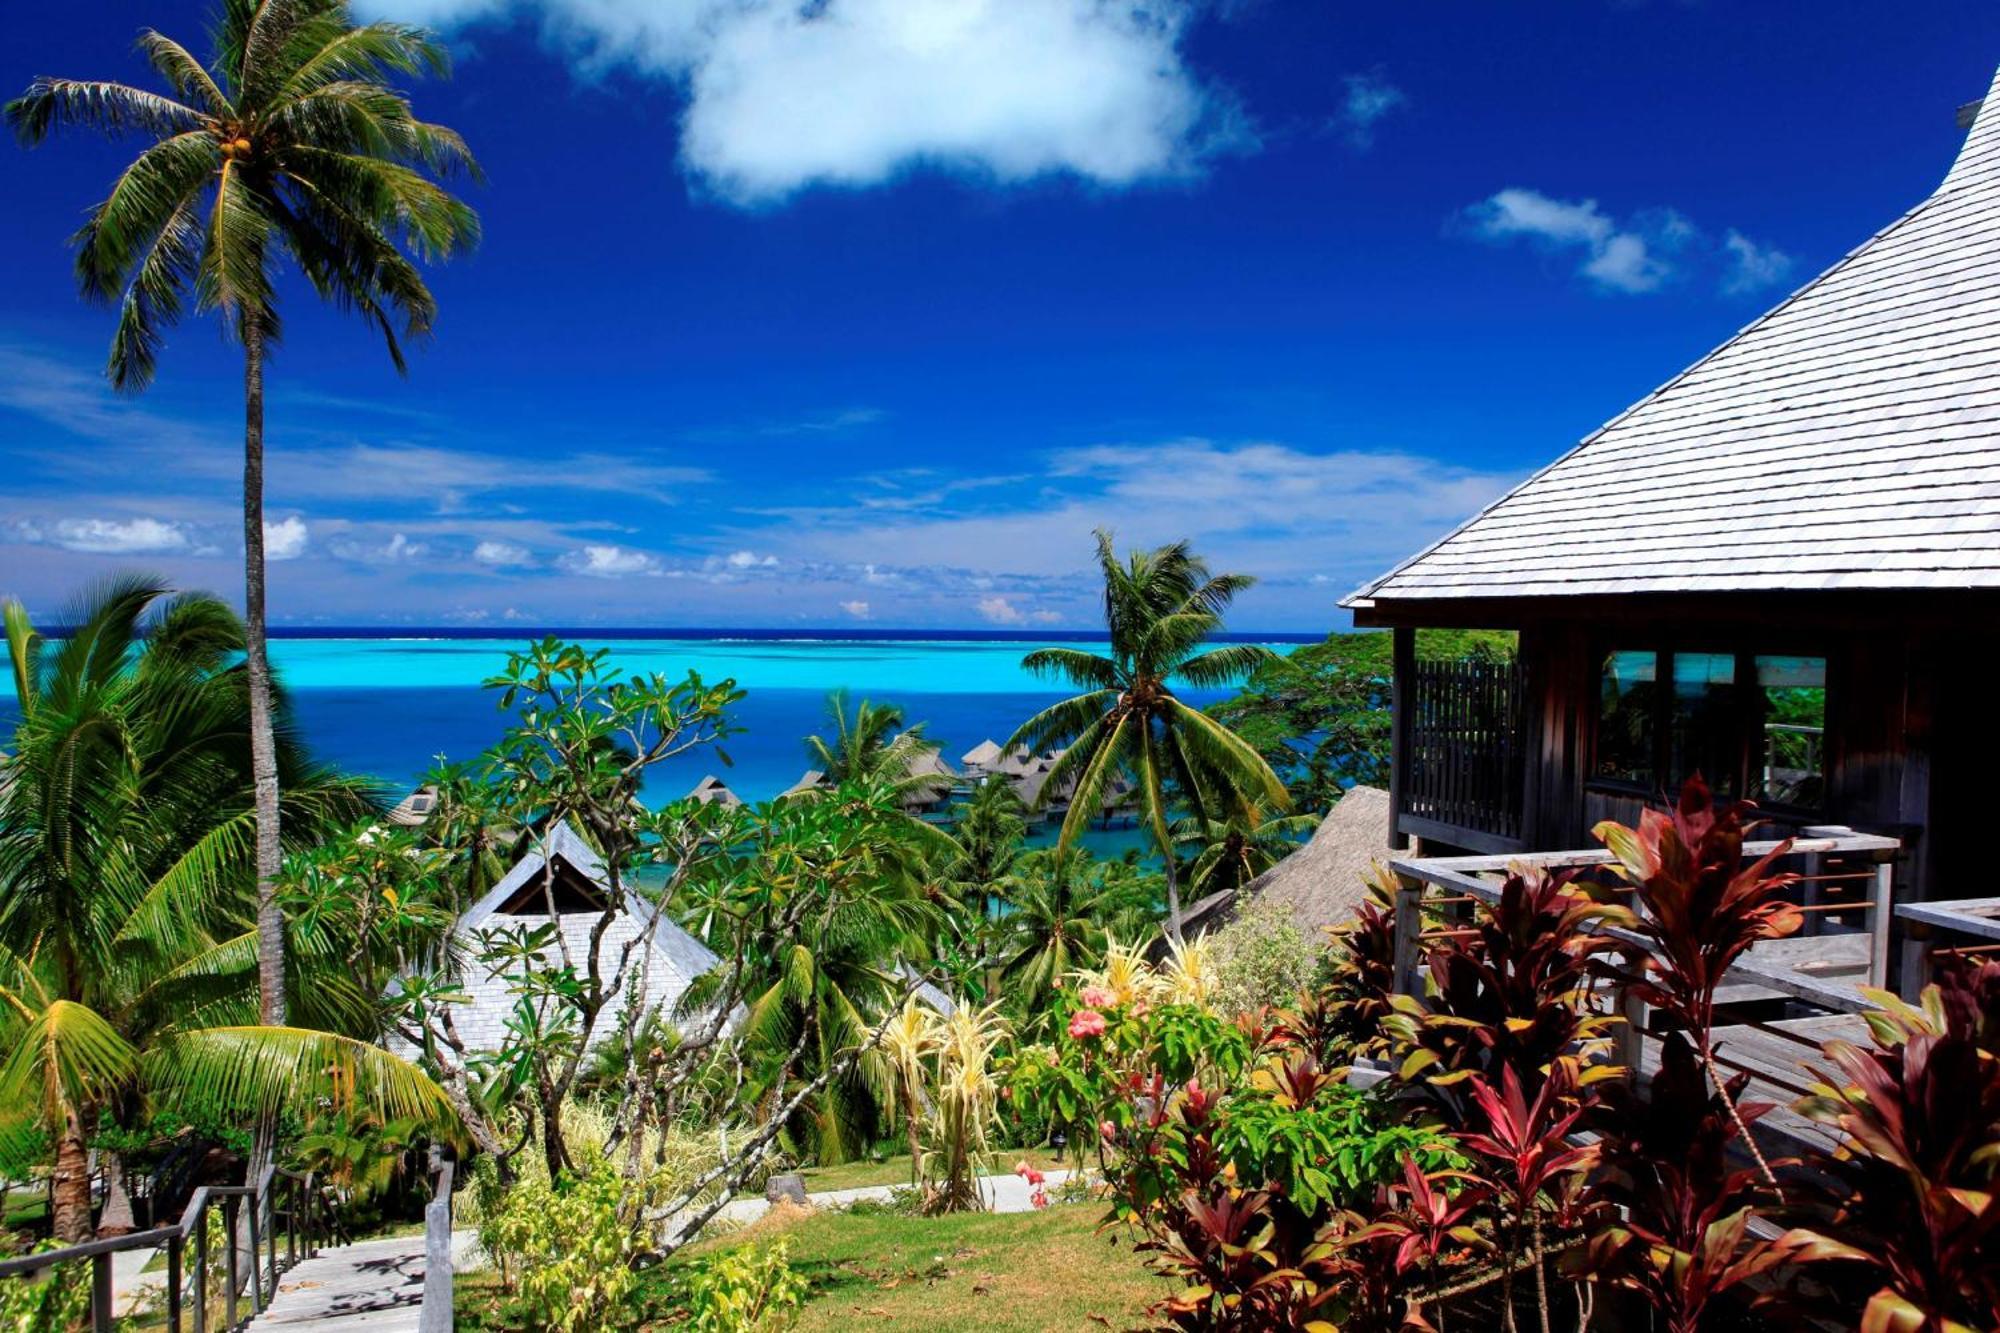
pixel 1782 569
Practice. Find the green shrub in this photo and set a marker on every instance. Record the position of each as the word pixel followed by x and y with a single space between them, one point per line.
pixel 1262 958
pixel 57 1298
pixel 746 1290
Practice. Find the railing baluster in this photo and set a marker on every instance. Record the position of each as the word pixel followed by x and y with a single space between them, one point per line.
pixel 201 1269
pixel 100 1293
pixel 229 1284
pixel 174 1285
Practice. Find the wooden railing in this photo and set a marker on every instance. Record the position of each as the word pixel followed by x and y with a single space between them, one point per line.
pixel 302 1219
pixel 1845 886
pixel 1464 751
pixel 436 1314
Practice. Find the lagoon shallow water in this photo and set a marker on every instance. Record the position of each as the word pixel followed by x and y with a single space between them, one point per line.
pixel 390 707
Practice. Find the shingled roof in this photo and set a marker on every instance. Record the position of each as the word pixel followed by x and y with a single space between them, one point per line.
pixel 1850 438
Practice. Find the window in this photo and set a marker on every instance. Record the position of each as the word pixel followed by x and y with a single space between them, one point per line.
pixel 1625 707
pixel 1788 766
pixel 1704 735
pixel 1751 724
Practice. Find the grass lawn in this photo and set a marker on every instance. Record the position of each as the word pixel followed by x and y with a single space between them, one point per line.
pixel 896 1170
pixel 977 1271
pixel 1008 1273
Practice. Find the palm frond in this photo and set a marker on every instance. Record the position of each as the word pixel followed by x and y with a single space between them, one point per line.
pixel 1229 755
pixel 68 1057
pixel 259 1070
pixel 1061 721
pixel 94 104
pixel 1086 671
pixel 173 62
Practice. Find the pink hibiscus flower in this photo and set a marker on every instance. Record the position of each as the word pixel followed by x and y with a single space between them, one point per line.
pixel 1096 997
pixel 1086 1023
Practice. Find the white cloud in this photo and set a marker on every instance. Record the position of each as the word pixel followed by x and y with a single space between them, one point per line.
pixel 286 539
pixel 609 562
pixel 856 608
pixel 502 555
pixel 109 536
pixel 782 95
pixel 750 560
pixel 1370 97
pixel 1753 267
pixel 1640 255
pixel 396 549
pixel 1000 611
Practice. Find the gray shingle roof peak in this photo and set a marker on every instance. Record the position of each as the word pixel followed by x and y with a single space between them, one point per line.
pixel 1848 438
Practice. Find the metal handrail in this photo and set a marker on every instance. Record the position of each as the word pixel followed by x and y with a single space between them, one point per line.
pixel 304 1216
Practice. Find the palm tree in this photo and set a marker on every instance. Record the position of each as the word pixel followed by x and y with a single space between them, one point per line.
pixel 990 830
pixel 1232 851
pixel 1161 606
pixel 1054 924
pixel 128 947
pixel 290 145
pixel 871 745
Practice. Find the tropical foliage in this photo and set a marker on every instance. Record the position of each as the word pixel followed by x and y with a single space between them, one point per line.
pixel 1161 607
pixel 128 947
pixel 1320 714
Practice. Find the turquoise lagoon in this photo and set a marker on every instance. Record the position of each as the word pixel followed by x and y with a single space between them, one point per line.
pixel 391 706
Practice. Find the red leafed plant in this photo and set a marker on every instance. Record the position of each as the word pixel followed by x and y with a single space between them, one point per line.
pixel 1680 1235
pixel 1512 994
pixel 1536 1173
pixel 1920 1113
pixel 1703 908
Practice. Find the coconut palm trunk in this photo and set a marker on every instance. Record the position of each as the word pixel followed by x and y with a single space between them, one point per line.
pixel 291 147
pixel 263 745
pixel 70 1191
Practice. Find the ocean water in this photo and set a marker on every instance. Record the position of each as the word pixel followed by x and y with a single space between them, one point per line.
pixel 391 707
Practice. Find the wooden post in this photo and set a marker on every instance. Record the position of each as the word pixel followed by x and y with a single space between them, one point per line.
pixel 229 1282
pixel 1409 925
pixel 256 1258
pixel 1880 917
pixel 1629 1045
pixel 100 1293
pixel 1402 707
pixel 201 1271
pixel 435 1316
pixel 174 1244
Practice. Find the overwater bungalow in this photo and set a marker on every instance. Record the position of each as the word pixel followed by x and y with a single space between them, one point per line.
pixel 1781 570
pixel 811 780
pixel 711 791
pixel 980 760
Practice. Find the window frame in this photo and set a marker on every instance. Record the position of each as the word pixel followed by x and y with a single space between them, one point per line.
pixel 1745 725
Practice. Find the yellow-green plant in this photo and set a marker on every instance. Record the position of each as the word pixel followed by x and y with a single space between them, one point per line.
pixel 965 1101
pixel 747 1290
pixel 570 1250
pixel 906 1041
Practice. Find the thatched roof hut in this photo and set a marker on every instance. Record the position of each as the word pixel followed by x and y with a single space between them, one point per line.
pixel 1323 882
pixel 811 780
pixel 982 756
pixel 711 791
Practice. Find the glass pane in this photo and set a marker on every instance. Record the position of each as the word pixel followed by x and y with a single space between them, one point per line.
pixel 1789 767
pixel 1704 736
pixel 1626 694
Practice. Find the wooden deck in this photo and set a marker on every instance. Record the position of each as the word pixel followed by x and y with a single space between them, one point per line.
pixel 376 1286
pixel 1776 1055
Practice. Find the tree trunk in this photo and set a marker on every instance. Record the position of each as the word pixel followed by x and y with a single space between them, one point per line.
pixel 263 747
pixel 116 1219
pixel 1173 894
pixel 71 1190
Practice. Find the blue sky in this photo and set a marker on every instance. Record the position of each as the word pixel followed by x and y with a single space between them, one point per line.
pixel 867 311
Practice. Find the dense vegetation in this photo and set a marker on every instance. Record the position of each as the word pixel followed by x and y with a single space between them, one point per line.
pixel 1320 715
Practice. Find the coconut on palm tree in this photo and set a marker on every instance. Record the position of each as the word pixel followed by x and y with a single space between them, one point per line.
pixel 1161 607
pixel 290 148
pixel 128 945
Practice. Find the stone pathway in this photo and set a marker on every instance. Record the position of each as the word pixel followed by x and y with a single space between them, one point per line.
pixel 1005 1194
